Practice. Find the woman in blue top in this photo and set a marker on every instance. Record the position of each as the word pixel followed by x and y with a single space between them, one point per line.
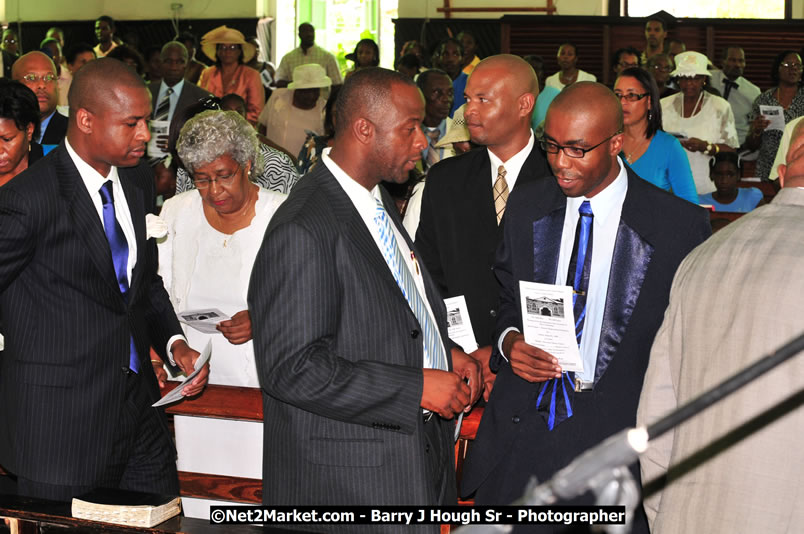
pixel 653 154
pixel 724 170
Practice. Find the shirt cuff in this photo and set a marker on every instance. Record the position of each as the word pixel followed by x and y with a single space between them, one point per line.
pixel 170 344
pixel 502 337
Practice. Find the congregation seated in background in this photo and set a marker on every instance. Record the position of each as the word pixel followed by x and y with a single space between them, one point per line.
pixel 704 121
pixel 569 73
pixel 787 98
pixel 725 174
pixel 654 155
pixel 293 111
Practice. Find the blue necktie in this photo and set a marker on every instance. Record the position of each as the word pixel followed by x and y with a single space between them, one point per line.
pixel 119 248
pixel 434 356
pixel 555 398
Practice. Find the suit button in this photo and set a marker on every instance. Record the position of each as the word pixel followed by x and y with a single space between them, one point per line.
pixel 414 333
pixel 515 419
pixel 427 448
pixel 493 313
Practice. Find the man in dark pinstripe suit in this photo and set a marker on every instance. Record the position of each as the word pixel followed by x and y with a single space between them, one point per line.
pixel 354 413
pixel 76 382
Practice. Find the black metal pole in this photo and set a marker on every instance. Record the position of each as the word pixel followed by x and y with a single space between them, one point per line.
pixel 726 387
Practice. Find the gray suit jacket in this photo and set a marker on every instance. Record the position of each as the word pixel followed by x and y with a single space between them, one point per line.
pixel 339 357
pixel 734 299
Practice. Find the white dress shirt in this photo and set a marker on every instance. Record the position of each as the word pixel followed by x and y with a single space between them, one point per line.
pixel 606 207
pixel 366 205
pixel 512 166
pixel 741 100
pixel 93 181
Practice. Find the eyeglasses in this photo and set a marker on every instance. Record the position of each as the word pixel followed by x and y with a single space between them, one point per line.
pixel 571 151
pixel 228 47
pixel 223 181
pixel 663 68
pixel 631 97
pixel 33 78
pixel 627 65
pixel 10 41
pixel 792 66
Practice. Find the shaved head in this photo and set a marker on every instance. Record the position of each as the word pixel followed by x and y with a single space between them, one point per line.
pixel 585 119
pixel 94 85
pixel 592 99
pixel 367 94
pixel 517 72
pixel 500 96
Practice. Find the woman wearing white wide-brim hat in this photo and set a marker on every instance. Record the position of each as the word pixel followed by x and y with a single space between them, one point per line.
pixel 230 51
pixel 704 122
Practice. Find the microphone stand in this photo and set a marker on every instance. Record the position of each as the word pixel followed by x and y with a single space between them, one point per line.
pixel 603 469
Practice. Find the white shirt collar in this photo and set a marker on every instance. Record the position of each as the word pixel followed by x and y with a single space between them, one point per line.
pixel 362 198
pixel 92 178
pixel 513 165
pixel 607 201
pixel 176 88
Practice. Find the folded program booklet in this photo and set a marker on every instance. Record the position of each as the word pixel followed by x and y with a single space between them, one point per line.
pixel 126 507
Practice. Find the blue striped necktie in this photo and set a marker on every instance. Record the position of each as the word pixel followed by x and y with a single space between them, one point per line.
pixel 119 248
pixel 434 355
pixel 555 398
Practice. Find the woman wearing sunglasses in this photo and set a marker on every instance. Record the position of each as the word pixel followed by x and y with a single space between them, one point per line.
pixel 653 154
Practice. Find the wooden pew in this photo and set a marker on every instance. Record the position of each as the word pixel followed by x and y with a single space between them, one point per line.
pixel 221 402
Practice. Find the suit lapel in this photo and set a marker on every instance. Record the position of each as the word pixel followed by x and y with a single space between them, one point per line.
pixel 547 244
pixel 84 216
pixel 629 265
pixel 357 233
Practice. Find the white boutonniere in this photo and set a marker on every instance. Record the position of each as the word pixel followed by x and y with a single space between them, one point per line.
pixel 155 226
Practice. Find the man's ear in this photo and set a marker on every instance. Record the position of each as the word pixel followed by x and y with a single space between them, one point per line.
pixel 84 120
pixel 782 168
pixel 363 130
pixel 616 144
pixel 526 104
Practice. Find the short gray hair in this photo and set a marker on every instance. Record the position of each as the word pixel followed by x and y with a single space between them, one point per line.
pixel 212 134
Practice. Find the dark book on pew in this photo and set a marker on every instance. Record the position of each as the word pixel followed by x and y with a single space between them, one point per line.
pixel 123 507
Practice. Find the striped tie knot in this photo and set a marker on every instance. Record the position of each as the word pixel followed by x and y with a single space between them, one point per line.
pixel 500 193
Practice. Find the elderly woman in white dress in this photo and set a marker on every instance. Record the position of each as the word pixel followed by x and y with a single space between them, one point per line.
pixel 214 233
pixel 205 260
pixel 705 121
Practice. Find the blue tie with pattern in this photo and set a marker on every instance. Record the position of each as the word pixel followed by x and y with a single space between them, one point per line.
pixel 434 356
pixel 556 390
pixel 119 248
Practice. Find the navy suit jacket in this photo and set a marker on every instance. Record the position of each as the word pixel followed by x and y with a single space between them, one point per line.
pixel 458 233
pixel 56 130
pixel 67 327
pixel 656 231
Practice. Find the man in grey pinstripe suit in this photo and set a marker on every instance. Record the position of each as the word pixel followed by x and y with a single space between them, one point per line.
pixel 76 383
pixel 353 413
